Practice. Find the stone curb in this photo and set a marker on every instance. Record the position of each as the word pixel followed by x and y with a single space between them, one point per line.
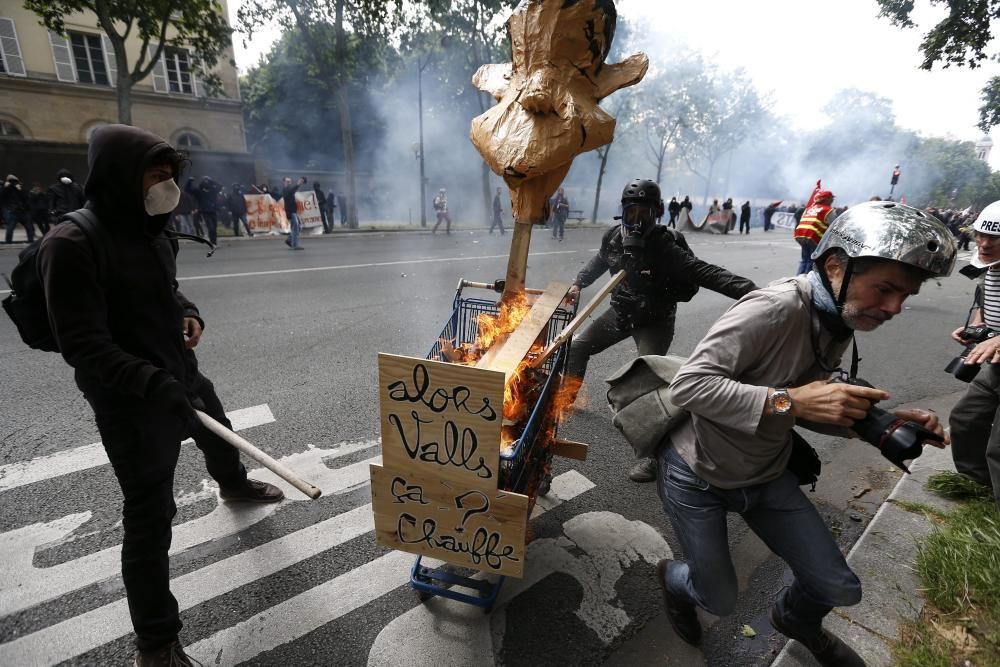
pixel 883 559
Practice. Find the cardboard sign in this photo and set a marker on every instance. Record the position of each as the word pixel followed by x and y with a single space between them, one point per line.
pixel 265 214
pixel 783 220
pixel 308 209
pixel 475 528
pixel 436 493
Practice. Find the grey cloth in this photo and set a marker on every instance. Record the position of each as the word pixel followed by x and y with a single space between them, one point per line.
pixel 639 397
pixel 765 340
pixel 975 430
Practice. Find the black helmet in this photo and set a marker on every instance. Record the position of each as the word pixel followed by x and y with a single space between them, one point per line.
pixel 644 191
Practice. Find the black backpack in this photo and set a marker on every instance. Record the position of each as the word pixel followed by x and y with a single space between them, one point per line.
pixel 25 305
pixel 677 290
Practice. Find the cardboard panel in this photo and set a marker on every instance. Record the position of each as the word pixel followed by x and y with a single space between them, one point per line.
pixel 441 420
pixel 479 529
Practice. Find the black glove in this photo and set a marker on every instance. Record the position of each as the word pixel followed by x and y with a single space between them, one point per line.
pixel 170 396
pixel 897 439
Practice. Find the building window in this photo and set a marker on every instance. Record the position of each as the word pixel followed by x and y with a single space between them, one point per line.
pixel 190 141
pixel 88 55
pixel 178 71
pixel 11 61
pixel 8 129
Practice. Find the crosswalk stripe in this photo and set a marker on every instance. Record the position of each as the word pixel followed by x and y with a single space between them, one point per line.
pixel 21 473
pixel 299 615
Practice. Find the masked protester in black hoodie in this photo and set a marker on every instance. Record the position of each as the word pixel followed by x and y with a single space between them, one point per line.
pixel 129 334
pixel 65 195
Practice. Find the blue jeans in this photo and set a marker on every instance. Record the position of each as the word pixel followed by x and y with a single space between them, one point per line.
pixel 780 514
pixel 293 235
pixel 806 262
pixel 13 217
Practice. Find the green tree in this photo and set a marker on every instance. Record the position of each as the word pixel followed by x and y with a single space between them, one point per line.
pixel 372 21
pixel 961 38
pixel 158 25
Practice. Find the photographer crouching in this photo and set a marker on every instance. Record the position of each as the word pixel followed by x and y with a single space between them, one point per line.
pixel 764 367
pixel 975 436
pixel 660 270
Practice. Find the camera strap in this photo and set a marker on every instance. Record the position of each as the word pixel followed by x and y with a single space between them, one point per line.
pixel 814 336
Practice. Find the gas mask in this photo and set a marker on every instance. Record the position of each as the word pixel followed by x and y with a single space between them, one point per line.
pixel 65 180
pixel 162 197
pixel 636 221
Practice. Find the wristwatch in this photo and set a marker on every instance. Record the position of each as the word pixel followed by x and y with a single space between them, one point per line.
pixel 781 402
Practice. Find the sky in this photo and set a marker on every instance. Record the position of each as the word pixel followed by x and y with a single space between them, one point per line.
pixel 801 52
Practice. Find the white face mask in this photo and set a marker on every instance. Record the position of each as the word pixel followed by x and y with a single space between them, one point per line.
pixel 66 180
pixel 162 197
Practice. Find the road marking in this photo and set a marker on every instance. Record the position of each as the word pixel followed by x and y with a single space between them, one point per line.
pixel 13 475
pixel 594 550
pixel 340 267
pixel 327 602
pixel 22 585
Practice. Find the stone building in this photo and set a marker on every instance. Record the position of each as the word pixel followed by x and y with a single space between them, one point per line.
pixel 983 147
pixel 56 89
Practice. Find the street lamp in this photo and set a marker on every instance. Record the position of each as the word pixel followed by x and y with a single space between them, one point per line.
pixel 421 65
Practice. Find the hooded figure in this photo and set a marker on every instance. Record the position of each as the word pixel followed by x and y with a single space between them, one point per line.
pixel 14 208
pixel 129 334
pixel 65 195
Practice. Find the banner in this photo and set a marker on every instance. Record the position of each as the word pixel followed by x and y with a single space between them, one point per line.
pixel 783 219
pixel 265 215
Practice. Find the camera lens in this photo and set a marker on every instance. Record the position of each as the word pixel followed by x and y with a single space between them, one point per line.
pixel 961 370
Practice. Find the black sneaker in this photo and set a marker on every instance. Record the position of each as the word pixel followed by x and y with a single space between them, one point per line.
pixel 252 492
pixel 828 649
pixel 682 615
pixel 644 470
pixel 171 655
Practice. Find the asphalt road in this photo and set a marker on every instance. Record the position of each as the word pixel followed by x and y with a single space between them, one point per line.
pixel 291 342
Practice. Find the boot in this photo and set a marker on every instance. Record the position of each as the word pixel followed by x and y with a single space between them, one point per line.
pixel 171 655
pixel 682 614
pixel 644 470
pixel 252 492
pixel 828 649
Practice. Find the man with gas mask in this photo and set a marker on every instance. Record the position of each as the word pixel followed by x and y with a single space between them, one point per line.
pixel 122 324
pixel 660 270
pixel 764 367
pixel 974 420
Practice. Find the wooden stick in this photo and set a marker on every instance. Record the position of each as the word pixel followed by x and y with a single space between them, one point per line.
pixel 570 449
pixel 577 322
pixel 279 469
pixel 517 263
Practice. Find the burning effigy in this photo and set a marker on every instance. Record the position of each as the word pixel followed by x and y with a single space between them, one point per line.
pixel 469 432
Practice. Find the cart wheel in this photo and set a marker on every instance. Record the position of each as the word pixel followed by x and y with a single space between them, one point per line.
pixel 545 485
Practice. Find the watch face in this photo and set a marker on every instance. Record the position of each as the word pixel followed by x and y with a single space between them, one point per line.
pixel 781 403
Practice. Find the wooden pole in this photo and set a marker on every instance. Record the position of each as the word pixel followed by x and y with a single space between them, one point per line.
pixel 517 263
pixel 581 317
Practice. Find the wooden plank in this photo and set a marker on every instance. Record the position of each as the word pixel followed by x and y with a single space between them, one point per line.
pixel 581 316
pixel 422 514
pixel 570 449
pixel 524 336
pixel 440 419
pixel 517 262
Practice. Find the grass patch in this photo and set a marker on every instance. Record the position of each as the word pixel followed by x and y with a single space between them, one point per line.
pixel 957 487
pixel 918 508
pixel 959 568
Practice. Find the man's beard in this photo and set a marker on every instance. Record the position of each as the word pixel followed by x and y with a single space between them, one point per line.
pixel 861 320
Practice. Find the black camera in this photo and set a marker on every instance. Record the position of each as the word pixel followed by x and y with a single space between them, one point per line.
pixel 898 440
pixel 971 336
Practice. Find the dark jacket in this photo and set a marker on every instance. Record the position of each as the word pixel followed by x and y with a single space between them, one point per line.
pixel 288 197
pixel 666 270
pixel 320 198
pixel 65 198
pixel 237 204
pixel 687 204
pixel 186 205
pixel 674 207
pixel 118 321
pixel 12 198
pixel 206 194
pixel 745 213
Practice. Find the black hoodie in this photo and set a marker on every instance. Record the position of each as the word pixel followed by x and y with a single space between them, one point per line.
pixel 65 198
pixel 118 321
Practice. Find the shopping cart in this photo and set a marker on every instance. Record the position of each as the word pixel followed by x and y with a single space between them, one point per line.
pixel 525 464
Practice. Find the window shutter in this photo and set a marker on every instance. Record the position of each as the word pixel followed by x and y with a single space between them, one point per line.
pixel 109 60
pixel 199 87
pixel 159 71
pixel 13 62
pixel 63 57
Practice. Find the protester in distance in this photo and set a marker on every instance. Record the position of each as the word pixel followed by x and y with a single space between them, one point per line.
pixel 14 208
pixel 183 216
pixel 321 205
pixel 975 440
pixel 660 271
pixel 237 205
pixel 763 368
pixel 441 209
pixel 729 215
pixel 38 208
pixel 288 190
pixel 673 209
pixel 745 217
pixel 769 212
pixel 811 225
pixel 497 212
pixel 129 333
pixel 206 196
pixel 560 211
pixel 65 196
pixel 331 204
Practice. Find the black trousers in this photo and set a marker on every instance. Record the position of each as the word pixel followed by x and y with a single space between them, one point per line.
pixel 606 330
pixel 497 222
pixel 211 220
pixel 143 445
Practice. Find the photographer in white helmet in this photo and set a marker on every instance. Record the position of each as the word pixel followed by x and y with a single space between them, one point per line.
pixel 976 443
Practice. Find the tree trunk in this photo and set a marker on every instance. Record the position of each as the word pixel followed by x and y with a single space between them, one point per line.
pixel 600 179
pixel 708 182
pixel 659 167
pixel 124 90
pixel 345 120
